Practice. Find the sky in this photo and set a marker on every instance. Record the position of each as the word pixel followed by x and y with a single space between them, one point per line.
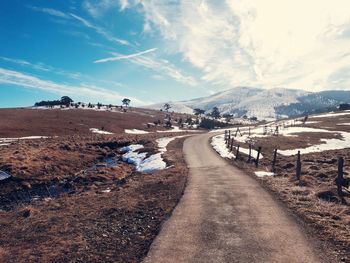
pixel 160 50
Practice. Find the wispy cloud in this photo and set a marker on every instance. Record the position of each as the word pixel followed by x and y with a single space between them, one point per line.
pixel 50 11
pixel 120 57
pixel 88 91
pixel 100 31
pixel 165 67
pixel 68 16
pixel 42 67
pixel 97 8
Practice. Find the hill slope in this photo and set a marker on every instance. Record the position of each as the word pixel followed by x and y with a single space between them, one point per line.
pixel 264 103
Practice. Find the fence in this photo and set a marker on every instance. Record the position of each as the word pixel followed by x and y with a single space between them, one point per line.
pixel 230 143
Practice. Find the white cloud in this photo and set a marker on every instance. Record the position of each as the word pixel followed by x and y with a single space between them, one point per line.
pixel 120 57
pixel 164 67
pixel 50 11
pixel 296 44
pixel 89 91
pixel 100 31
pixel 42 67
pixel 123 4
pixel 97 8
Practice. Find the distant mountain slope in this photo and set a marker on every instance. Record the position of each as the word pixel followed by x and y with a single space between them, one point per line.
pixel 264 103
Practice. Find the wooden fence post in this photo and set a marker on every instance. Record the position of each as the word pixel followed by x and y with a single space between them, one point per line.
pixel 231 145
pixel 225 137
pixel 298 168
pixel 250 153
pixel 229 134
pixel 340 178
pixel 237 152
pixel 274 161
pixel 257 157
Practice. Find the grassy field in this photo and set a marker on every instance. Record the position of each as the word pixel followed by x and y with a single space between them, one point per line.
pixel 64 203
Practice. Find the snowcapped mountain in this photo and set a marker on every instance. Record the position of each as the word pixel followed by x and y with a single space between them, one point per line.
pixel 265 104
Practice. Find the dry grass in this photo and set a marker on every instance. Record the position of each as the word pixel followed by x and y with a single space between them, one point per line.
pixel 314 198
pixel 90 224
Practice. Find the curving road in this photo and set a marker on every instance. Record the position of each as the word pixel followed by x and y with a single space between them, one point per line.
pixel 225 216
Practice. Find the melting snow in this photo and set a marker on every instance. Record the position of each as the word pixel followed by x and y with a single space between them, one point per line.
pixel 95 130
pixel 177 129
pixel 5 141
pixel 327 145
pixel 345 124
pixel 135 131
pixel 331 114
pixel 154 162
pixel 263 174
pixel 219 145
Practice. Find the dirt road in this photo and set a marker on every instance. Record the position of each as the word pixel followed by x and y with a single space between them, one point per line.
pixel 226 216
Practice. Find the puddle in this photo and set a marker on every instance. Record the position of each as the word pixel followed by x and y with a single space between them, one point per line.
pixel 108 162
pixel 36 192
pixel 40 192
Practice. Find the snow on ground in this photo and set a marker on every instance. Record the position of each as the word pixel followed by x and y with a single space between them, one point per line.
pixel 330 114
pixel 153 163
pixel 177 129
pixel 218 143
pixel 135 131
pixel 344 124
pixel 4 144
pixel 263 174
pixel 257 132
pixel 5 141
pixel 95 130
pixel 327 145
pixel 132 148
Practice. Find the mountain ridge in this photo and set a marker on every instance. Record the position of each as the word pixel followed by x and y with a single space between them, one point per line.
pixel 265 104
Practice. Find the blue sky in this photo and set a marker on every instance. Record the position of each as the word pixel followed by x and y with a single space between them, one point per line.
pixel 160 50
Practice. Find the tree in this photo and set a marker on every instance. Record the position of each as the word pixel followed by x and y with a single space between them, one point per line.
pixel 126 102
pixel 215 113
pixel 344 106
pixel 198 112
pixel 167 107
pixel 65 100
pixel 227 117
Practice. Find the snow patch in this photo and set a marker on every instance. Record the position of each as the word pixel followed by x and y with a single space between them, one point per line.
pixel 95 130
pixel 343 124
pixel 218 143
pixel 330 114
pixel 327 145
pixel 7 140
pixel 135 131
pixel 177 129
pixel 263 174
pixel 153 163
